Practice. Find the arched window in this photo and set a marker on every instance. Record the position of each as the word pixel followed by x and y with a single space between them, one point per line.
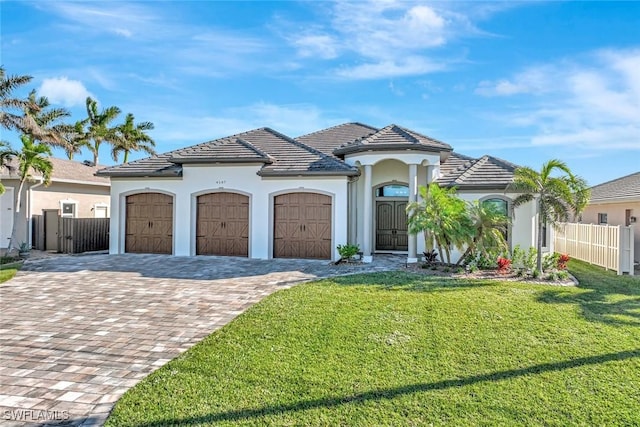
pixel 393 190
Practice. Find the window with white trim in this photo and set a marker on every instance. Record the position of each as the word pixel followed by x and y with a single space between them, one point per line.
pixel 101 210
pixel 68 208
pixel 602 218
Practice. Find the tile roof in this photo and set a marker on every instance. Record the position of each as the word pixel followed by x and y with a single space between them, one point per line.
pixel 280 154
pixel 393 137
pixel 64 171
pixel 486 172
pixel 329 139
pixel 625 187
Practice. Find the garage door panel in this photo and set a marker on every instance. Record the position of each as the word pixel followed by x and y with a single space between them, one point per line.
pixel 149 223
pixel 302 226
pixel 222 225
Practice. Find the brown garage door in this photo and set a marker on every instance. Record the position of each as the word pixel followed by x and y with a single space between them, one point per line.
pixel 222 226
pixel 149 227
pixel 302 226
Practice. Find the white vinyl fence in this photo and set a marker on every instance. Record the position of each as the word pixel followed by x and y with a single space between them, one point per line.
pixel 608 246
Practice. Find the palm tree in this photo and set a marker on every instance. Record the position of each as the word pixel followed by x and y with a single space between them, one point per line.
pixel 99 130
pixel 488 225
pixel 6 154
pixel 441 215
pixel 557 198
pixel 132 137
pixel 9 103
pixel 38 110
pixel 75 138
pixel 31 157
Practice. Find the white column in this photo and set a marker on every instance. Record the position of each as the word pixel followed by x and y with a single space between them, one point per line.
pixel 353 212
pixel 366 216
pixel 413 192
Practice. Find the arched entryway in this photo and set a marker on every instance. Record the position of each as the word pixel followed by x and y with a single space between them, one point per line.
pixel 391 217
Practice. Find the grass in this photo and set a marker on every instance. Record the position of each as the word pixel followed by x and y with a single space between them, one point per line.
pixel 8 269
pixel 403 349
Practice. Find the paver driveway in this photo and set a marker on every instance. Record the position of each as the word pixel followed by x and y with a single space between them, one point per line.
pixel 77 332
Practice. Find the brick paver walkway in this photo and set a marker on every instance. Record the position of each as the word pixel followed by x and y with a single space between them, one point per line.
pixel 77 332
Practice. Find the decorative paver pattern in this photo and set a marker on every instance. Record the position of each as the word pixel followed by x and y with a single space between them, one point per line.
pixel 76 332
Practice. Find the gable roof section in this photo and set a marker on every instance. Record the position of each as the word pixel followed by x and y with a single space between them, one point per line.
pixel 223 150
pixel 63 171
pixel 623 188
pixel 486 172
pixel 281 155
pixel 327 140
pixel 393 137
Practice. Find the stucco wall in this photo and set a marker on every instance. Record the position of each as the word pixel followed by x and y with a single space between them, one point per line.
pixel 86 197
pixel 198 180
pixel 49 197
pixel 616 216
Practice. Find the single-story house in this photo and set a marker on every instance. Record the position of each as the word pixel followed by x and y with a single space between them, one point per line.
pixel 75 191
pixel 262 194
pixel 616 202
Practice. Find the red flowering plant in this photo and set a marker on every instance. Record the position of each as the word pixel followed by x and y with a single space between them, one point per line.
pixel 562 261
pixel 504 265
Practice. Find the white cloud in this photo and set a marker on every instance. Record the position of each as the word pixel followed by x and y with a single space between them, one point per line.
pixel 63 91
pixel 383 39
pixel 591 103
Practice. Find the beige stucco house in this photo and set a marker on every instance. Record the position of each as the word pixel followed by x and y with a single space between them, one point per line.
pixel 74 191
pixel 617 202
pixel 262 194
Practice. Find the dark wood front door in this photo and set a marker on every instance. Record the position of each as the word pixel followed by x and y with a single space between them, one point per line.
pixel 302 226
pixel 391 228
pixel 149 224
pixel 222 225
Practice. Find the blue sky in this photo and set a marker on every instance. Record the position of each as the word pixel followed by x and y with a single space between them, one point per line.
pixel 524 81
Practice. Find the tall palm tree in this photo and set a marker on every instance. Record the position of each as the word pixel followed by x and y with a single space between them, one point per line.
pixel 488 225
pixel 31 157
pixel 132 137
pixel 48 120
pixel 441 215
pixel 99 130
pixel 558 193
pixel 9 103
pixel 75 138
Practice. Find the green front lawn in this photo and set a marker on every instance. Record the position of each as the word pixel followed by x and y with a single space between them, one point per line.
pixel 403 349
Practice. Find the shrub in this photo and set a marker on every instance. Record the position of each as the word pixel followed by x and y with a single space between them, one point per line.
pixel 504 265
pixel 517 257
pixel 562 261
pixel 550 261
pixel 348 251
pixel 430 257
pixel 553 276
pixel 530 260
pixel 535 273
pixel 563 274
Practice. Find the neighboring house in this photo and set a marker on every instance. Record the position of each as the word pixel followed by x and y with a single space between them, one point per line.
pixel 74 192
pixel 265 195
pixel 616 202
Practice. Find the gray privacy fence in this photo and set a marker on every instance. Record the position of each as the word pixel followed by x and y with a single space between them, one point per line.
pixel 608 246
pixel 71 235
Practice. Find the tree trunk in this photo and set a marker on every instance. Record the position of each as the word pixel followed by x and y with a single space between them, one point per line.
pixel 126 156
pixel 539 242
pixel 16 215
pixel 96 150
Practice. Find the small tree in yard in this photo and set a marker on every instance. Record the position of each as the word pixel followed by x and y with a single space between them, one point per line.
pixel 487 228
pixel 557 198
pixel 31 157
pixel 441 215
